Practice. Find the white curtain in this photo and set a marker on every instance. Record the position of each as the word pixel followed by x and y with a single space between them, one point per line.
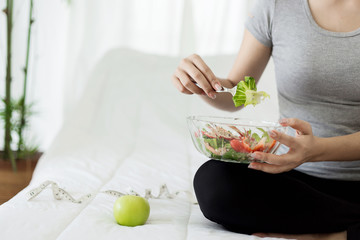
pixel 46 65
pixel 69 39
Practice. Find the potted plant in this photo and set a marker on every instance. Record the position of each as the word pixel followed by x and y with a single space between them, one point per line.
pixel 15 113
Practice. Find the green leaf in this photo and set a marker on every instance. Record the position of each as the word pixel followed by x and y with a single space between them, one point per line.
pixel 246 93
pixel 256 137
pixel 265 134
pixel 212 142
pixel 233 155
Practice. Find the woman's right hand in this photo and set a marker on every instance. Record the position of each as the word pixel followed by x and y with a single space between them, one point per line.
pixel 191 71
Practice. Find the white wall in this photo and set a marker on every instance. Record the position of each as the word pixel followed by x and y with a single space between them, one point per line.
pixel 68 40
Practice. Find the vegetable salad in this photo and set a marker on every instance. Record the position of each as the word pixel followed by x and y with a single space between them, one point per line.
pixel 233 144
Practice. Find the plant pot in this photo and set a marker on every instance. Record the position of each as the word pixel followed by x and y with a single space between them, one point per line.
pixel 13 182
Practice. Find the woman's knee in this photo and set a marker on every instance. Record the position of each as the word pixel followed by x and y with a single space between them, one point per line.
pixel 209 178
pixel 214 188
pixel 207 190
pixel 203 175
pixel 219 178
pixel 221 188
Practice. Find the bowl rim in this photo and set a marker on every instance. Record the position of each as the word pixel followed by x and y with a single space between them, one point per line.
pixel 242 121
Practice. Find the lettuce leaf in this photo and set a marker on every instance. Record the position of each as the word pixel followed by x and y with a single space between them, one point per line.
pixel 265 134
pixel 233 155
pixel 246 93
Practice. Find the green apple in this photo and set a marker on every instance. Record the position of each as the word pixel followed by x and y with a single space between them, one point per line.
pixel 130 210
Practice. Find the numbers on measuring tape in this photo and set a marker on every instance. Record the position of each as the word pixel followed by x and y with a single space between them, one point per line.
pixel 61 194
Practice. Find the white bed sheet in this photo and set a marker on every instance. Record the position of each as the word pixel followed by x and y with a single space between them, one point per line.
pixel 129 130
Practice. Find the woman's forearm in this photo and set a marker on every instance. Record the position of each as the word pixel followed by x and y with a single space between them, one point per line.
pixel 341 148
pixel 251 61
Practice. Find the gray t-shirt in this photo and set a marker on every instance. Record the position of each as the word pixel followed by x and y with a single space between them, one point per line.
pixel 317 73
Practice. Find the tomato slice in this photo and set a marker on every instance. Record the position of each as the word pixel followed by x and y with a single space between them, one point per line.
pixel 271 145
pixel 207 134
pixel 260 146
pixel 197 134
pixel 240 146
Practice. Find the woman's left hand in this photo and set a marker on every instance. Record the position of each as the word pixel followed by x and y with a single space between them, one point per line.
pixel 301 148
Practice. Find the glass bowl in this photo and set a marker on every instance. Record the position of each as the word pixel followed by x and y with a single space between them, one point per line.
pixel 232 139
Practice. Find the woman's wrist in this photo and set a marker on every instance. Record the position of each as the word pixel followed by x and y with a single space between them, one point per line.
pixel 319 150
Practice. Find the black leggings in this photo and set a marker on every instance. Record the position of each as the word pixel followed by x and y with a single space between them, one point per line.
pixel 250 201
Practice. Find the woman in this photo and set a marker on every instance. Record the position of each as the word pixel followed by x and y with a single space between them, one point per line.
pixel 312 190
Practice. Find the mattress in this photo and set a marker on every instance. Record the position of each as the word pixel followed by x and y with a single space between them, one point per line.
pixel 128 131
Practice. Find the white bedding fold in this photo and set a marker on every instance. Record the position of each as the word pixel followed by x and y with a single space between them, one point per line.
pixel 129 130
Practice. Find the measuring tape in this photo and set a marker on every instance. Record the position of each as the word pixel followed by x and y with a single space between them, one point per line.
pixel 61 194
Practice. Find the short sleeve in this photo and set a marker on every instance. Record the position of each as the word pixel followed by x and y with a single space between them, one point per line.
pixel 259 21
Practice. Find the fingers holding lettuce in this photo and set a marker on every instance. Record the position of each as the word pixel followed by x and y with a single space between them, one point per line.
pixel 193 76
